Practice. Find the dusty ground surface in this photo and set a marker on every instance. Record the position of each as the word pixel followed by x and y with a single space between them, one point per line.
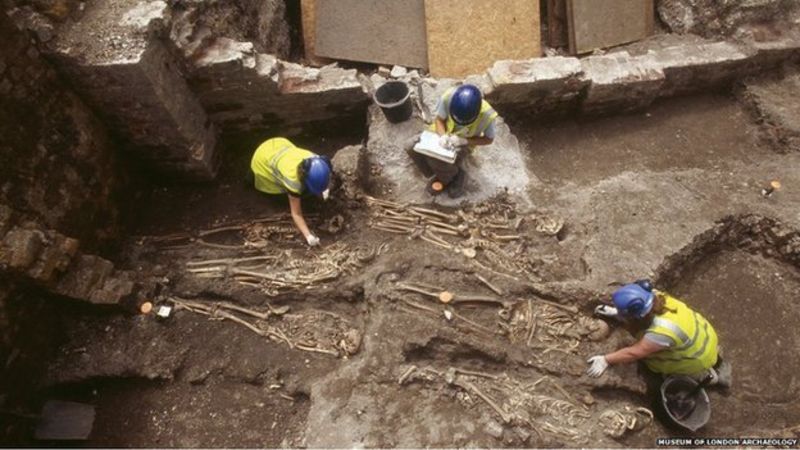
pixel 362 358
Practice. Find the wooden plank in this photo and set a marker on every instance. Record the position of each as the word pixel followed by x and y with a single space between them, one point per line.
pixel 378 31
pixel 308 10
pixel 466 38
pixel 557 24
pixel 594 25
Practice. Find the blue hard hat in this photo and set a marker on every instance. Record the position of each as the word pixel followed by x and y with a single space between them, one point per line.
pixel 633 300
pixel 465 104
pixel 317 174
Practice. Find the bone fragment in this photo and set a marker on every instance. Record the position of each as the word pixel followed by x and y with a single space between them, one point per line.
pixel 506 417
pixel 406 374
pixel 493 288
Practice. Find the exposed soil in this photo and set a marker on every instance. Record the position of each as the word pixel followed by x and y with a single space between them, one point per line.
pixel 359 359
pixel 679 134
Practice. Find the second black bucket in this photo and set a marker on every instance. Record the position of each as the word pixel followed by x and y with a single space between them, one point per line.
pixel 394 98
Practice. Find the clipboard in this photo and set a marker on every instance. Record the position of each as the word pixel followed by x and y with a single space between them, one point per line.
pixel 428 145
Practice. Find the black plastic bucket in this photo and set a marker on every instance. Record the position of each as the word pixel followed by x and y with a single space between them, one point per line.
pixel 674 385
pixel 394 98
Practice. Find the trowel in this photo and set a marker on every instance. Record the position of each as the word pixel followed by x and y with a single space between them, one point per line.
pixel 61 421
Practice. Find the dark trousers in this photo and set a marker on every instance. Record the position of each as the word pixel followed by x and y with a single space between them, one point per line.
pixel 443 171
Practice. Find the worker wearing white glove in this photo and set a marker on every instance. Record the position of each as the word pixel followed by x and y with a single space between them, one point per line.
pixel 457 141
pixel 606 311
pixel 598 365
pixel 312 240
pixel 279 167
pixel 444 141
pixel 673 338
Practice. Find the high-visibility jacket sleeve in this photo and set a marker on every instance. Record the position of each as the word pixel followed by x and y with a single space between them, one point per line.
pixel 489 132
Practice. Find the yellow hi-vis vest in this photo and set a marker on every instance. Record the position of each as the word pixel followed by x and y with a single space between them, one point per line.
pixel 694 348
pixel 476 128
pixel 276 166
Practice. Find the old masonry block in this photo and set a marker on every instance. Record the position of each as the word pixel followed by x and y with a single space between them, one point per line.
pixel 693 68
pixel 115 57
pixel 537 86
pixel 21 247
pixel 775 52
pixel 620 82
pixel 242 90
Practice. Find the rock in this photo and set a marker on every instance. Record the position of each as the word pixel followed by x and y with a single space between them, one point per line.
pixel 620 82
pixel 494 169
pixel 398 72
pixel 712 18
pixel 537 86
pixel 494 429
pixel 693 68
pixel 262 22
pixel 351 341
pixel 22 247
pixel 523 434
pixel 55 257
pixel 599 331
pixel 349 165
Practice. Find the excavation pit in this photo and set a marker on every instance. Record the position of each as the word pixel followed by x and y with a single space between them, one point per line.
pixel 750 300
pixel 710 132
pixel 271 343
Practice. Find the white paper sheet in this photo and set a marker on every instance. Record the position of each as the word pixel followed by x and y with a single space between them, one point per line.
pixel 428 145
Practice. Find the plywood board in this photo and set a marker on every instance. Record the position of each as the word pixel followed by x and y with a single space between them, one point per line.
pixel 309 15
pixel 594 24
pixel 467 37
pixel 378 31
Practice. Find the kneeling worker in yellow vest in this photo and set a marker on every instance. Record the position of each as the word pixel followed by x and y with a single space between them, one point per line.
pixel 673 339
pixel 464 120
pixel 279 167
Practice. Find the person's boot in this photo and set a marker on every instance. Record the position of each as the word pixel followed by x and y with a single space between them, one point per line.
pixel 456 187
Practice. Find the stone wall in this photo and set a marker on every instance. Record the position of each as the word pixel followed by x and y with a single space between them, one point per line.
pixel 261 22
pixel 45 258
pixel 715 18
pixel 620 82
pixel 120 60
pixel 243 90
pixel 58 185
pixel 57 164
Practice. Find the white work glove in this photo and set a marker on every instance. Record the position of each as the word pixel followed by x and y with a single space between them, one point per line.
pixel 444 141
pixel 457 141
pixel 312 240
pixel 606 311
pixel 326 194
pixel 599 364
